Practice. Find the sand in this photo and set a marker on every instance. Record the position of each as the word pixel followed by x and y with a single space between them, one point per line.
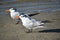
pixel 10 31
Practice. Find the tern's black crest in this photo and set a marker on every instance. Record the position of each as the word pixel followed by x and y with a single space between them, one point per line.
pixel 15 9
pixel 22 14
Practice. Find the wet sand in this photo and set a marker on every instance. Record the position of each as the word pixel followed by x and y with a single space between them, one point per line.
pixel 10 31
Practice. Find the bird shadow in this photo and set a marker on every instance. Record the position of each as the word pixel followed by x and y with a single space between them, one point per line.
pixel 51 30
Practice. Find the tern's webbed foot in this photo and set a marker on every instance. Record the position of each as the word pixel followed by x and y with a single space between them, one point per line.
pixel 28 31
pixel 17 22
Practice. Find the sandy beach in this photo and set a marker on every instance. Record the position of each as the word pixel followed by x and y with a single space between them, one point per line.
pixel 10 31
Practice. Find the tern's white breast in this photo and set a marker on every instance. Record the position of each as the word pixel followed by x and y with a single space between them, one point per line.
pixel 14 14
pixel 26 22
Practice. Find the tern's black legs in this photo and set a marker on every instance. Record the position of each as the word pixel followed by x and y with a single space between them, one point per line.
pixel 29 31
pixel 17 21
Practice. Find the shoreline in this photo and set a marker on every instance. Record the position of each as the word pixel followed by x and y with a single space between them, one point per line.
pixel 17 2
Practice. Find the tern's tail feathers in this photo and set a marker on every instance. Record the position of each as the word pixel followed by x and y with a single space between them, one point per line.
pixel 38 27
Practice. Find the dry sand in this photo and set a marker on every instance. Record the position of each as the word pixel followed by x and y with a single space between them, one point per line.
pixel 10 31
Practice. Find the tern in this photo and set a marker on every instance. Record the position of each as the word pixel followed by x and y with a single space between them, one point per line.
pixel 13 14
pixel 30 23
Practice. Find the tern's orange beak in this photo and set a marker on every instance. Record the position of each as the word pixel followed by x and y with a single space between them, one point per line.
pixel 17 16
pixel 7 11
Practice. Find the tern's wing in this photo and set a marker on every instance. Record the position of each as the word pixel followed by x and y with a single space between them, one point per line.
pixel 36 23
